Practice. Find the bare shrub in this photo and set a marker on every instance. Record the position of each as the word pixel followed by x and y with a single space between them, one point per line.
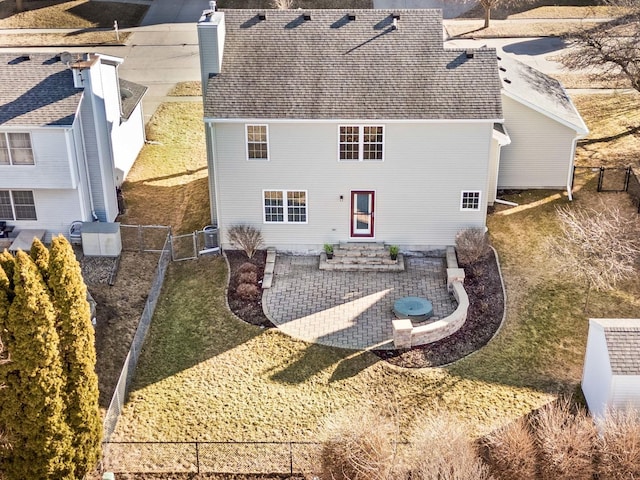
pixel 248 277
pixel 247 291
pixel 245 237
pixel 358 447
pixel 441 449
pixel 247 267
pixel 282 4
pixel 598 245
pixel 566 442
pixel 472 244
pixel 619 446
pixel 511 451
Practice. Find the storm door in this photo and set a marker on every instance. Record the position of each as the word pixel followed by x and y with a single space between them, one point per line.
pixel 362 209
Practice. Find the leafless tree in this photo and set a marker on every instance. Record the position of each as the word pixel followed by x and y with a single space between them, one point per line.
pixel 489 5
pixel 600 246
pixel 245 237
pixel 610 49
pixel 282 4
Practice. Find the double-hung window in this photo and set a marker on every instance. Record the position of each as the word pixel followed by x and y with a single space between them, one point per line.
pixel 361 142
pixel 470 200
pixel 17 205
pixel 257 142
pixel 285 206
pixel 15 149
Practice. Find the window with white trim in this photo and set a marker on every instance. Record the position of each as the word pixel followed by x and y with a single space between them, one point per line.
pixel 15 149
pixel 470 200
pixel 257 142
pixel 17 205
pixel 285 206
pixel 361 142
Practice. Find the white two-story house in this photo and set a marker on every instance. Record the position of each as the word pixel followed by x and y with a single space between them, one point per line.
pixel 70 130
pixel 325 126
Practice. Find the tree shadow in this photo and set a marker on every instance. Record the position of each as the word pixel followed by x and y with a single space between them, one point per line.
pixel 537 46
pixel 610 138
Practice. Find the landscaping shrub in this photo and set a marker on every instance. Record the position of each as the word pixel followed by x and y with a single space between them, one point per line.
pixel 619 446
pixel 358 447
pixel 248 267
pixel 246 237
pixel 472 244
pixel 441 449
pixel 566 442
pixel 248 277
pixel 511 451
pixel 247 291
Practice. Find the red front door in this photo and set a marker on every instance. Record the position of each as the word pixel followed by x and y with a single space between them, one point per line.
pixel 362 213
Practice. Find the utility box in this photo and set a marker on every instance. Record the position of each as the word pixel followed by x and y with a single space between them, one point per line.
pixel 101 239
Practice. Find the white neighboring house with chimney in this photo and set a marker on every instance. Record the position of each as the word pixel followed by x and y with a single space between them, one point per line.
pixel 70 130
pixel 327 126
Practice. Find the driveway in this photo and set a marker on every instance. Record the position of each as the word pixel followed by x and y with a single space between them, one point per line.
pixel 350 309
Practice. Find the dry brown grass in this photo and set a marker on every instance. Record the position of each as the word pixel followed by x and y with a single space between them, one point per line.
pixel 582 80
pixel 619 446
pixel 70 14
pixel 168 184
pixel 358 446
pixel 441 448
pixel 513 30
pixel 511 451
pixel 613 121
pixel 569 11
pixel 63 39
pixel 186 89
pixel 566 442
pixel 552 8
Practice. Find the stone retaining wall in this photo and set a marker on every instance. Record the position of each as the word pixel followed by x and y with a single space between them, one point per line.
pixel 405 335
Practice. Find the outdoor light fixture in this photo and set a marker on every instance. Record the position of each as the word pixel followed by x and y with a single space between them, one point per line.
pixel 341 198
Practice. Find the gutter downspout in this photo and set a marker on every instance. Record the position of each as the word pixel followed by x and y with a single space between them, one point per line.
pixel 571 167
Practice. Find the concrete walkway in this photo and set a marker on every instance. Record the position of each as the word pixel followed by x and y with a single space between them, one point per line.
pixel 350 309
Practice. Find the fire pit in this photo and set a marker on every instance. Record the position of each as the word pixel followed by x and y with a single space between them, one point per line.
pixel 413 308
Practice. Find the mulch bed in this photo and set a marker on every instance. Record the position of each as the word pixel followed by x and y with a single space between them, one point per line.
pixel 246 302
pixel 482 283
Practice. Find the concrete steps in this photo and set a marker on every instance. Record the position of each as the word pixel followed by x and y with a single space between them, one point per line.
pixel 361 257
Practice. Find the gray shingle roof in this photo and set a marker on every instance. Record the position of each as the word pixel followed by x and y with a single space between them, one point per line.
pixel 131 94
pixel 36 92
pixel 623 343
pixel 541 91
pixel 333 68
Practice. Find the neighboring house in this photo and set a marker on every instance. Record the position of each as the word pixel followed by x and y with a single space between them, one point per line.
pixel 326 126
pixel 611 378
pixel 70 130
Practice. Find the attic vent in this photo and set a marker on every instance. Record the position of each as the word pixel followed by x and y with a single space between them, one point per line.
pixel 306 17
pixel 502 69
pixel 24 58
pixel 262 16
pixel 499 58
pixel 352 17
pixel 469 53
pixel 506 80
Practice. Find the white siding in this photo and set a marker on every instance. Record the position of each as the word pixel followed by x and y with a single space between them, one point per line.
pixel 418 185
pixel 625 392
pixel 541 151
pixel 53 162
pixel 55 210
pixel 127 140
pixel 596 377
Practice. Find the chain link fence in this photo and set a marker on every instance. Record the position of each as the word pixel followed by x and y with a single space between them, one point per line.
pixel 128 370
pixel 191 245
pixel 144 238
pixel 608 179
pixel 258 458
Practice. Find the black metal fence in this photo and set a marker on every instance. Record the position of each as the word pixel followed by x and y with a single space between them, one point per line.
pixel 610 179
pixel 248 458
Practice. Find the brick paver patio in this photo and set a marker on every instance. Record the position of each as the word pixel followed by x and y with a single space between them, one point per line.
pixel 350 309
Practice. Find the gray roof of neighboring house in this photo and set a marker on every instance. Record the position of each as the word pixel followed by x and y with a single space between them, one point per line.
pixel 623 343
pixel 131 94
pixel 36 90
pixel 539 91
pixel 330 67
